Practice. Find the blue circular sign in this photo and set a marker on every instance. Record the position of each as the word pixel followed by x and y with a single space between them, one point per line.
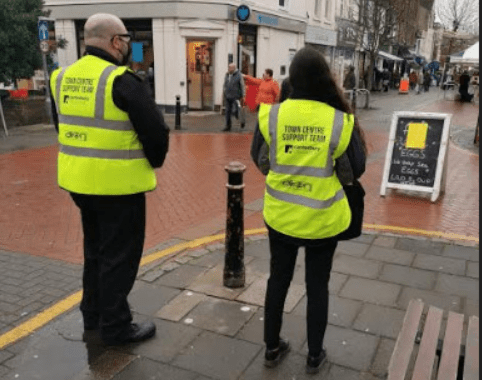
pixel 243 12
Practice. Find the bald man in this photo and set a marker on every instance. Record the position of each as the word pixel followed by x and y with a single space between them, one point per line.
pixel 111 136
pixel 234 91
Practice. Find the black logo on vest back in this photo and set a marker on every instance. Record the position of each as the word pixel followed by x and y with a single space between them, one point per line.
pixel 66 98
pixel 298 185
pixel 76 136
pixel 288 148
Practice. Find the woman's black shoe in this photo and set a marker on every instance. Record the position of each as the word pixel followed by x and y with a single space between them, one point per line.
pixel 314 363
pixel 273 357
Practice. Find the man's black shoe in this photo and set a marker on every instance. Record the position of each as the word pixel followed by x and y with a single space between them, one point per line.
pixel 242 125
pixel 314 363
pixel 137 332
pixel 227 129
pixel 273 357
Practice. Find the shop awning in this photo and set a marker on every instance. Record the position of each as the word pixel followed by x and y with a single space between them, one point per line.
pixel 388 56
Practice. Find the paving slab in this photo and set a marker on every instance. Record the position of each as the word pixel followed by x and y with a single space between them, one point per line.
pixel 352 249
pixel 356 266
pixel 385 241
pixel 180 306
pixel 348 348
pixel 292 367
pixel 210 283
pixel 440 264
pixel 460 252
pixel 294 329
pixel 375 292
pixel 381 362
pixel 380 321
pixel 220 316
pixel 472 307
pixel 403 275
pixel 105 366
pixel 473 269
pixel 460 286
pixel 420 246
pixel 144 368
pixel 430 298
pixel 181 277
pixel 148 299
pixel 390 255
pixel 209 261
pixel 341 312
pixel 217 357
pixel 256 295
pixel 169 340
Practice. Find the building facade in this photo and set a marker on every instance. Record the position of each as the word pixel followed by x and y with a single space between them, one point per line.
pixel 187 45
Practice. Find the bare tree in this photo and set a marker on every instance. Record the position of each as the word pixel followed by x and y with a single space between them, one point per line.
pixel 375 21
pixel 456 14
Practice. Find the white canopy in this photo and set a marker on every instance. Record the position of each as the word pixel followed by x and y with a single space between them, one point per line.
pixel 472 52
pixel 388 56
pixel 471 55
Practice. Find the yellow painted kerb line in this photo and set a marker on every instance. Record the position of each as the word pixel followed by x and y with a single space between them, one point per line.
pixel 68 303
pixel 71 301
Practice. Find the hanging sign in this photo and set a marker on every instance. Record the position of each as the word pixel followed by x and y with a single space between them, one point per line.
pixel 417 153
pixel 242 13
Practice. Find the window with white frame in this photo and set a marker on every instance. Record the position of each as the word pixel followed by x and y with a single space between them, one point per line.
pixel 283 3
pixel 317 8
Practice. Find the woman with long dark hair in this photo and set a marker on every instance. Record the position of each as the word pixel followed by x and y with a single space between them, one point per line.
pixel 308 146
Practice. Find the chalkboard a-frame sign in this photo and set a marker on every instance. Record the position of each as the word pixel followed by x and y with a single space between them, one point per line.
pixel 417 153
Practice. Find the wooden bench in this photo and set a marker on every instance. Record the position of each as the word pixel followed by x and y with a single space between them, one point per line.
pixel 442 360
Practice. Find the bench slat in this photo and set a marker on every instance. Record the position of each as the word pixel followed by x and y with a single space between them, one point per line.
pixel 451 348
pixel 428 348
pixel 471 371
pixel 406 339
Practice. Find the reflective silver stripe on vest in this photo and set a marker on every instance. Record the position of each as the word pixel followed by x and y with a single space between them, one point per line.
pixel 304 201
pixel 102 153
pixel 57 89
pixel 98 121
pixel 325 172
pixel 100 95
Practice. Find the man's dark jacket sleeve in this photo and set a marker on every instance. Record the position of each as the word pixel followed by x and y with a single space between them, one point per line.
pixel 132 96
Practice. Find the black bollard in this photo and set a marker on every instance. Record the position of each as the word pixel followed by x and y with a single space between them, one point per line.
pixel 234 272
pixel 178 112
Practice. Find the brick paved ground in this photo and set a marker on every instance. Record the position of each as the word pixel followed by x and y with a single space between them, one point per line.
pixel 206 331
pixel 39 219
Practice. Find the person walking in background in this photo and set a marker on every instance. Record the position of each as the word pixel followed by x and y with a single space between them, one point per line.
pixel 111 139
pixel 464 87
pixel 426 81
pixel 304 203
pixel 268 92
pixel 234 92
pixel 350 81
pixel 386 79
pixel 413 80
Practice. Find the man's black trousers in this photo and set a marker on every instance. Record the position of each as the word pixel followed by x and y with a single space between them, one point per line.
pixel 319 260
pixel 114 232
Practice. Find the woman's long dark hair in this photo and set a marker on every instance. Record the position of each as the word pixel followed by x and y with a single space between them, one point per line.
pixel 311 79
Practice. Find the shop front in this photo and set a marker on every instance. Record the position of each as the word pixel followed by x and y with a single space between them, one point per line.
pixel 185 51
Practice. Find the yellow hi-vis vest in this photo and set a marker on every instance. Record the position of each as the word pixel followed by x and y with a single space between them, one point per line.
pixel 303 196
pixel 100 152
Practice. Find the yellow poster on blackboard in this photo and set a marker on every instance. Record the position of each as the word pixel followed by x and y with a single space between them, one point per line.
pixel 417 136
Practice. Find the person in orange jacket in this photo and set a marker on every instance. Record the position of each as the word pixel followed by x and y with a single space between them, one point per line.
pixel 268 91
